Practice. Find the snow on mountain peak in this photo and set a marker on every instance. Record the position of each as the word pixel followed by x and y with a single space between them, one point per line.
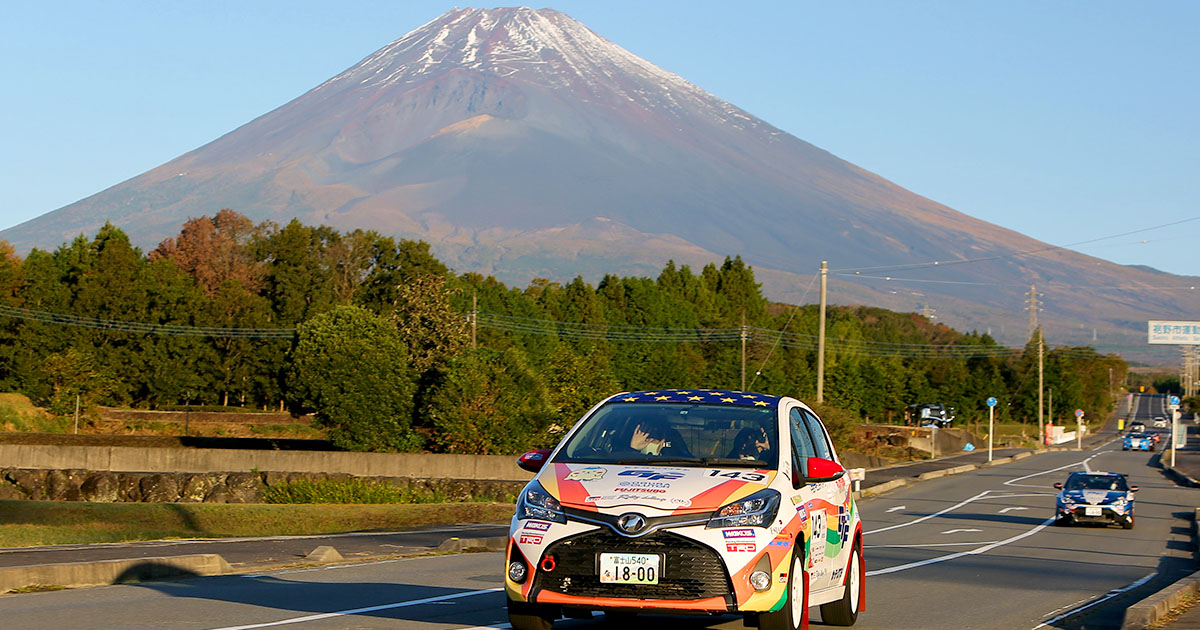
pixel 542 46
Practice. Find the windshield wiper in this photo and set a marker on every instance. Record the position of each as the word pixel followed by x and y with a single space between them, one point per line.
pixel 653 461
pixel 734 461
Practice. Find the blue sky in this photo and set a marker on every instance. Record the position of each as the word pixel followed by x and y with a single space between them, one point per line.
pixel 1067 121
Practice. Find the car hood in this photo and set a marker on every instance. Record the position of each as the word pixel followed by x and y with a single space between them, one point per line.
pixel 1094 497
pixel 676 489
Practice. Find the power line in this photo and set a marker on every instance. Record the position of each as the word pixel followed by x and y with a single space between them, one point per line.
pixel 572 330
pixel 947 263
pixel 143 327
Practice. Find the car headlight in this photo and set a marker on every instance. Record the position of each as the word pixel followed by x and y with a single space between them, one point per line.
pixel 756 510
pixel 535 502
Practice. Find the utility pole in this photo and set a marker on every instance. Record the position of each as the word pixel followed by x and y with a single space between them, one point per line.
pixel 1034 307
pixel 821 337
pixel 1041 385
pixel 743 350
pixel 474 317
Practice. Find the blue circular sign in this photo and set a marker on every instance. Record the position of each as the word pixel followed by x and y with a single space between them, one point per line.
pixel 1173 400
pixel 991 401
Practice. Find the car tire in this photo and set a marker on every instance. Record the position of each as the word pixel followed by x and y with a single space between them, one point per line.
pixel 844 612
pixel 1128 524
pixel 528 616
pixel 794 614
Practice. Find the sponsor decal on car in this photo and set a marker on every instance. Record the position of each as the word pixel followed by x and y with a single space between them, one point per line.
pixel 531 539
pixel 537 526
pixel 591 473
pixel 741 547
pixel 781 543
pixel 836 575
pixel 650 474
pixel 738 533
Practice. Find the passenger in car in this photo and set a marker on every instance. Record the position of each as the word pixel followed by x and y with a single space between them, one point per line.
pixel 751 443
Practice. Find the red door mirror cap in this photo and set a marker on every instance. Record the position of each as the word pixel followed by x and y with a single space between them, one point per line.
pixel 1058 485
pixel 1134 488
pixel 821 470
pixel 534 460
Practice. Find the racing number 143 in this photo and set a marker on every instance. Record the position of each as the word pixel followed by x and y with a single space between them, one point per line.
pixel 737 474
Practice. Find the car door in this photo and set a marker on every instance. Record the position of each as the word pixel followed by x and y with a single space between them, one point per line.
pixel 834 496
pixel 812 497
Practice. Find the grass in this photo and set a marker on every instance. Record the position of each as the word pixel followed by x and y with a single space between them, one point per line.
pixel 359 491
pixel 17 413
pixel 28 523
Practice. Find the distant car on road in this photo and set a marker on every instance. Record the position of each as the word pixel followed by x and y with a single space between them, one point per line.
pixel 1137 442
pixel 1160 423
pixel 1137 427
pixel 1095 497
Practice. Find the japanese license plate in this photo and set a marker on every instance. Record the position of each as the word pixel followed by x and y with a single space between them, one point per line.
pixel 630 568
pixel 1093 510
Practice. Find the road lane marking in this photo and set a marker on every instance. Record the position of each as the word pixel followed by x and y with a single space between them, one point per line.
pixel 916 546
pixel 961 554
pixel 357 611
pixel 1009 509
pixel 1111 594
pixel 1084 463
pixel 896 509
pixel 957 531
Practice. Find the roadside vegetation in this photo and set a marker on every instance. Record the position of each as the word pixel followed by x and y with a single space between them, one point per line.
pixel 358 491
pixel 392 351
pixel 29 523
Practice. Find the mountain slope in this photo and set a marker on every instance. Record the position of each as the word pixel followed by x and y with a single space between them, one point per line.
pixel 521 144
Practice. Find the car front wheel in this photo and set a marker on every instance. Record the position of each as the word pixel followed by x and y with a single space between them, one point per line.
pixel 794 614
pixel 844 612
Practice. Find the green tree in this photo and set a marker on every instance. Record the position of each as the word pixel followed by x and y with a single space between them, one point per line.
pixel 351 367
pixel 576 382
pixel 490 402
pixel 429 324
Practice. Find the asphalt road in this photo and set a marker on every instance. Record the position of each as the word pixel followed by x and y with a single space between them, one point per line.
pixel 974 550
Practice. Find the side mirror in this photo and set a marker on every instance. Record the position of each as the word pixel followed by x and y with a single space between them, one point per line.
pixel 1058 485
pixel 821 470
pixel 1134 488
pixel 534 460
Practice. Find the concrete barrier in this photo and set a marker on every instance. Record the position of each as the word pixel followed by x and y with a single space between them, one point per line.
pixel 71 574
pixel 143 459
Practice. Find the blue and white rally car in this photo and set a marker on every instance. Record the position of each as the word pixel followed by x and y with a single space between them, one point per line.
pixel 1095 497
pixel 1137 442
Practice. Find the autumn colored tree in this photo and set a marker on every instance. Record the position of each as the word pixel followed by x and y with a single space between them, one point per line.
pixel 215 250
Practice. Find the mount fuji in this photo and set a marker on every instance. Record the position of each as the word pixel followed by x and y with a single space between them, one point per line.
pixel 519 143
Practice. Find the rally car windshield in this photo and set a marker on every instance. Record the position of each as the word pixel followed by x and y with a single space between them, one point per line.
pixel 676 434
pixel 1096 482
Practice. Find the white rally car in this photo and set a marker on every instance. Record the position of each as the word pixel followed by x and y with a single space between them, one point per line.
pixel 689 502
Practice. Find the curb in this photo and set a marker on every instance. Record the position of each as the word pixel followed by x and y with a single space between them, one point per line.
pixel 105 572
pixel 71 574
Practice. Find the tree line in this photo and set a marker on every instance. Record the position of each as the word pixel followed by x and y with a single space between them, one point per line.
pixel 395 352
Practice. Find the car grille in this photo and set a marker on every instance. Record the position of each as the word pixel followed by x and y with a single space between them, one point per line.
pixel 690 570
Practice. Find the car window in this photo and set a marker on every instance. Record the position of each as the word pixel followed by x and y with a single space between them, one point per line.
pixel 802 443
pixel 819 437
pixel 1097 482
pixel 635 432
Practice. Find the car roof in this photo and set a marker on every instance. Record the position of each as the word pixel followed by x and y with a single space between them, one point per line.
pixel 700 396
pixel 1096 473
